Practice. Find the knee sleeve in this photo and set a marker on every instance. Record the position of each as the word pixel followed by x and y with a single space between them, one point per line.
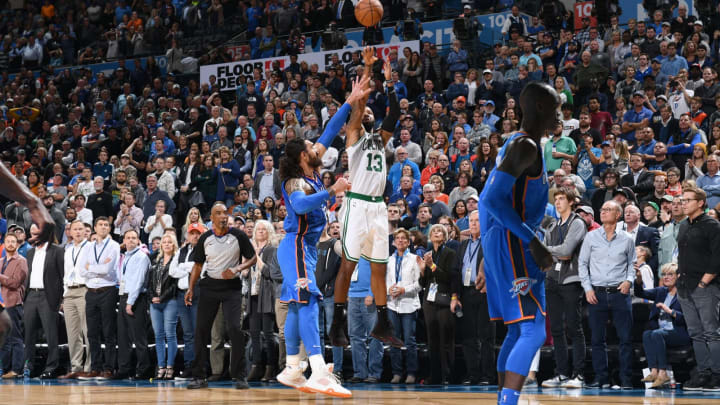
pixel 532 337
pixel 513 333
pixel 308 326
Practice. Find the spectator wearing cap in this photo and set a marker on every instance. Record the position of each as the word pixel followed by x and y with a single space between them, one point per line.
pixel 489 118
pixel 490 90
pixel 428 94
pixel 180 268
pixel 637 118
pixel 588 216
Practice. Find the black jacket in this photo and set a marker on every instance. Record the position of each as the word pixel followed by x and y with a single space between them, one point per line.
pixel 460 267
pixel 445 270
pixel 698 244
pixel 643 186
pixel 53 273
pixel 160 283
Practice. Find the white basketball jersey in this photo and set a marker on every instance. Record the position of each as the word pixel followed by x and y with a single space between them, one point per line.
pixel 366 161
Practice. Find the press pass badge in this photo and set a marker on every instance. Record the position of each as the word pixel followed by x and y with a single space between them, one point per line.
pixel 432 292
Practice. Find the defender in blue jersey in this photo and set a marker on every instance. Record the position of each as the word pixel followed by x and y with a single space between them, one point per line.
pixel 513 204
pixel 306 201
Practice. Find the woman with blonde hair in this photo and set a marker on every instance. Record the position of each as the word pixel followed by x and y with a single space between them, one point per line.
pixel 291 121
pixel 264 286
pixel 163 310
pixel 193 217
pixel 622 155
pixel 695 166
pixel 472 82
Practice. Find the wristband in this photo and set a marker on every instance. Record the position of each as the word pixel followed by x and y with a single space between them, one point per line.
pixel 390 84
pixel 433 267
pixel 454 298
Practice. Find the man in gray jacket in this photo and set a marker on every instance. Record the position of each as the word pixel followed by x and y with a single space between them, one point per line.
pixel 563 291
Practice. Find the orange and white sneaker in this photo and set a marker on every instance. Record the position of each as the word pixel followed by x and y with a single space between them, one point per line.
pixel 325 382
pixel 293 377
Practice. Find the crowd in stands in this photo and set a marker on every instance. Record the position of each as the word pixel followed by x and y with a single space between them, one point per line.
pixel 136 153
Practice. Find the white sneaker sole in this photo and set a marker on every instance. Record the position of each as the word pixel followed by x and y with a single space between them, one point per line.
pixel 298 385
pixel 329 391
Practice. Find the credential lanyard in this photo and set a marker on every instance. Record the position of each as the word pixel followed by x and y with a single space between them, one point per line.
pixel 97 257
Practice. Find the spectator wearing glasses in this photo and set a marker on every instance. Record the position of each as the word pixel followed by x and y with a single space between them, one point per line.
pixel 698 290
pixel 666 326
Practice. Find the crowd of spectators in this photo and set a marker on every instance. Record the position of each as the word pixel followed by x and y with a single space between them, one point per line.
pixel 637 153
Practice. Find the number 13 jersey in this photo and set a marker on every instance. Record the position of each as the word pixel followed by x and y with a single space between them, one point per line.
pixel 366 161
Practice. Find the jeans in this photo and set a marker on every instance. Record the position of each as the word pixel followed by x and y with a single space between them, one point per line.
pixel 12 353
pixel 655 343
pixel 700 308
pixel 564 308
pixel 404 326
pixel 361 320
pixel 188 318
pixel 164 321
pixel 327 309
pixel 620 306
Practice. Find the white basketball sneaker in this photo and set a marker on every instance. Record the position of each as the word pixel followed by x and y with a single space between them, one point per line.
pixel 325 382
pixel 293 377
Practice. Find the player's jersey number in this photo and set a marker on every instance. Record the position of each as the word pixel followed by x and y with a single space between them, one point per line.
pixel 375 163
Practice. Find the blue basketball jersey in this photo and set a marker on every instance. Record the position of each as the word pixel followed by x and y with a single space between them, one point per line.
pixel 515 283
pixel 297 253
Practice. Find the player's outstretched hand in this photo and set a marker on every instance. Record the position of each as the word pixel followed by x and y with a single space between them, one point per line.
pixel 341 185
pixel 41 217
pixel 360 91
pixel 369 55
pixel 387 70
pixel 541 254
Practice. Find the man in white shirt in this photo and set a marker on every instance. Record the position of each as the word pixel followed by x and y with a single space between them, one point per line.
pixel 180 268
pixel 42 302
pixel 83 214
pixel 74 304
pixel 98 265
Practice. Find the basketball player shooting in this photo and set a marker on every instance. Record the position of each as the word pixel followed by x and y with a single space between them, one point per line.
pixel 514 199
pixel 364 213
pixel 11 188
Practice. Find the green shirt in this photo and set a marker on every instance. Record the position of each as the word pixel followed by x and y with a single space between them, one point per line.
pixel 563 145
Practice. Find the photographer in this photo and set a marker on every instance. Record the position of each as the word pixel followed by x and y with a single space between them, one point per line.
pixel 333 37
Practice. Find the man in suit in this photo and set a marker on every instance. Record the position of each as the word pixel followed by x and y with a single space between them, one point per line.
pixel 42 302
pixel 478 338
pixel 344 13
pixel 641 234
pixel 639 180
pixel 267 182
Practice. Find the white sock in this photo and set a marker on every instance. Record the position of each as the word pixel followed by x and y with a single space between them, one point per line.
pixel 293 360
pixel 317 362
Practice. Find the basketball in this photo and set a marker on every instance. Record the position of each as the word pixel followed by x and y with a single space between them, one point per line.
pixel 369 12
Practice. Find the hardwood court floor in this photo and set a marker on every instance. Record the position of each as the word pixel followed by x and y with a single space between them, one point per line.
pixel 92 393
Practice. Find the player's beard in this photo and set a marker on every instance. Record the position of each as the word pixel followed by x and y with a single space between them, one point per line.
pixel 368 126
pixel 315 162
